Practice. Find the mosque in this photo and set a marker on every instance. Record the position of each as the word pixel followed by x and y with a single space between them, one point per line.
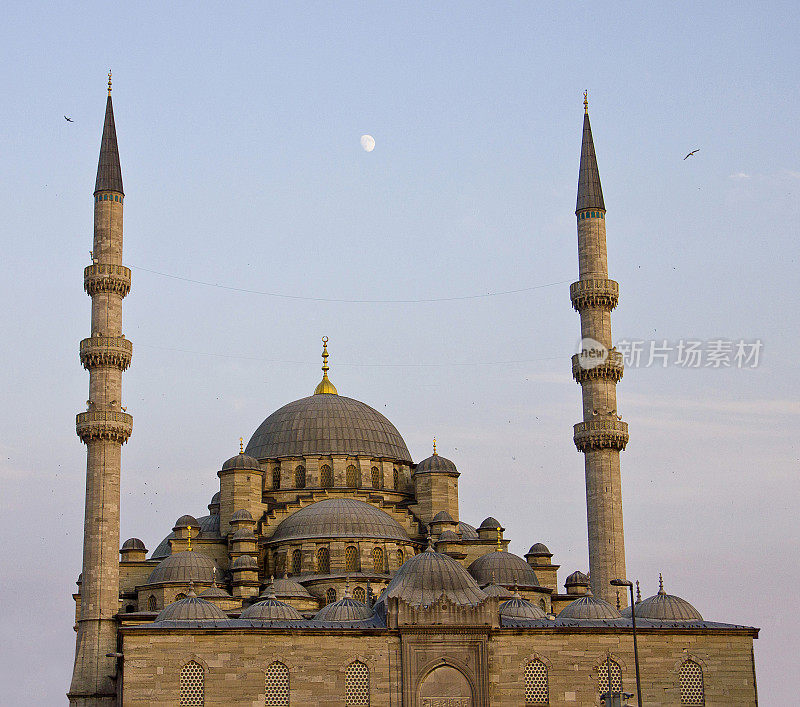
pixel 333 569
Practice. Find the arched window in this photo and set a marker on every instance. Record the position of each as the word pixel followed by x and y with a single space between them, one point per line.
pixel 323 561
pixel 325 477
pixel 180 596
pixel 330 595
pixel 151 603
pixel 352 477
pixel 536 688
pixel 192 690
pixel 360 595
pixel 396 479
pixel 692 687
pixel 376 477
pixel 351 559
pixel 297 562
pixel 276 685
pixel 377 559
pixel 300 477
pixel 356 684
pixel 400 558
pixel 276 478
pixel 543 604
pixel 604 669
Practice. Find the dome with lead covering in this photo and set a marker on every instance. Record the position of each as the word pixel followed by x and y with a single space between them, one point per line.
pixel 191 609
pixel 449 536
pixel 577 578
pixel 666 607
pixel 490 523
pixel 185 522
pixel 209 528
pixel 287 588
pixel 467 531
pixel 271 609
pixel 539 550
pixel 503 568
pixel 327 424
pixel 589 607
pixel 186 566
pixel 241 461
pixel 519 608
pixel 134 544
pixel 436 463
pixel 339 518
pixel 495 590
pixel 343 611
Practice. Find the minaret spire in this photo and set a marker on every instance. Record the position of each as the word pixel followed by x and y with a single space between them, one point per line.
pixel 109 172
pixel 597 368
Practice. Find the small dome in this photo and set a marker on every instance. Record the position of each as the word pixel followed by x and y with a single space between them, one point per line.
pixel 214 499
pixel 185 522
pixel 271 609
pixel 449 536
pixel 467 531
pixel 443 517
pixel 209 528
pixel 578 579
pixel 186 566
pixel 244 562
pixel 339 518
pixel 244 534
pixel 503 568
pixel 214 592
pixel 666 607
pixel 191 609
pixel 286 588
pixel 344 610
pixel 495 590
pixel 241 514
pixel 589 607
pixel 241 461
pixel 436 463
pixel 519 608
pixel 490 524
pixel 426 577
pixel 134 544
pixel 539 549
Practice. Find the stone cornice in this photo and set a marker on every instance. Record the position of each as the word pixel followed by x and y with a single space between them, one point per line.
pixel 596 292
pixel 103 277
pixel 107 425
pixel 106 351
pixel 601 434
pixel 612 368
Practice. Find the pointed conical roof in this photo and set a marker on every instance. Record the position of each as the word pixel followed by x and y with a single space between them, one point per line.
pixel 590 193
pixel 109 173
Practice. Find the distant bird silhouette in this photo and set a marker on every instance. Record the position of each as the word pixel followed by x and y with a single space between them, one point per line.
pixel 691 153
pixel 69 120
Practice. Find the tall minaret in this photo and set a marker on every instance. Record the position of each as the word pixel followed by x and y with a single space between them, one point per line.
pixel 602 435
pixel 104 427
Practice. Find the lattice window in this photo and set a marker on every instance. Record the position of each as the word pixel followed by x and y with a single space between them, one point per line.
pixel 360 595
pixel 376 477
pixel 325 477
pixel 352 477
pixel 356 684
pixel 276 478
pixel 330 595
pixel 536 688
pixel 276 685
pixel 692 687
pixel 351 559
pixel 603 670
pixel 323 561
pixel 400 558
pixel 300 477
pixel 152 605
pixel 396 479
pixel 377 559
pixel 192 692
pixel 297 562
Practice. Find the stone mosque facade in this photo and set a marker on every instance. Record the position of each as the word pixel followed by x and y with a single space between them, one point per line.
pixel 333 569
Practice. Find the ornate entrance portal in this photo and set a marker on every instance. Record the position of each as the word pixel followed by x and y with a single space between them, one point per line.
pixel 445 687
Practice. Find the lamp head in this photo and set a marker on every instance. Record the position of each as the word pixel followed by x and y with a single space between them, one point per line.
pixel 621 583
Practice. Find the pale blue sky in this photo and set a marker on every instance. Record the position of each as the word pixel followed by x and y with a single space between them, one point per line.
pixel 239 136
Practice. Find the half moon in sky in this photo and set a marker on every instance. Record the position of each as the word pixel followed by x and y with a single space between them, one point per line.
pixel 368 143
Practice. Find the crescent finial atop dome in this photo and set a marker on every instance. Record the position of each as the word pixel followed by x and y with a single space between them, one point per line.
pixel 325 387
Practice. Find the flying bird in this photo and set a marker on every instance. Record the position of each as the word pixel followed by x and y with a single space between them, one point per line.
pixel 691 153
pixel 69 120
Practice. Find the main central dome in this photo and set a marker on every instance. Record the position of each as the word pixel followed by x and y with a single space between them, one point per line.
pixel 327 424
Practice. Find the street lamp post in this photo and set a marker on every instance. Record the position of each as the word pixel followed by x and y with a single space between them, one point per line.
pixel 629 584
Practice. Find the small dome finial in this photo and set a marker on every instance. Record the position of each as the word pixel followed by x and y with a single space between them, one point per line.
pixel 430 541
pixel 499 539
pixel 638 592
pixel 434 447
pixel 109 82
pixel 325 386
pixel 191 593
pixel 241 445
pixel 661 584
pixel 189 530
pixel 586 102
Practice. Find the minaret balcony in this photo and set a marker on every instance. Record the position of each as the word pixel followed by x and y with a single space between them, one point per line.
pixel 597 292
pixel 610 433
pixel 610 369
pixel 106 425
pixel 106 351
pixel 104 277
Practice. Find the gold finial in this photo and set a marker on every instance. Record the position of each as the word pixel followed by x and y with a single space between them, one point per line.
pixel 434 447
pixel 586 102
pixel 109 82
pixel 189 528
pixel 499 540
pixel 241 445
pixel 660 584
pixel 325 386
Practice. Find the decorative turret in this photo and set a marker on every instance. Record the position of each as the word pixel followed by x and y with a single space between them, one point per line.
pixel 436 489
pixel 597 368
pixel 104 427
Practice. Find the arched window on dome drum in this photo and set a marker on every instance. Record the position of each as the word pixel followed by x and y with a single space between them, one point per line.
pixel 536 687
pixel 180 596
pixel 330 595
pixel 151 603
pixel 300 477
pixel 325 477
pixel 396 479
pixel 377 559
pixel 360 595
pixel 323 561
pixel 376 477
pixel 297 562
pixel 351 559
pixel 603 670
pixel 276 478
pixel 276 685
pixel 400 558
pixel 192 685
pixel 692 686
pixel 352 477
pixel 356 684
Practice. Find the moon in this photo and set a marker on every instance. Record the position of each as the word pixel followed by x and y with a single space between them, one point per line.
pixel 368 143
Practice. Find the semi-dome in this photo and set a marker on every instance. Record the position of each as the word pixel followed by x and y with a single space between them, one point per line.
pixel 327 424
pixel 442 517
pixel 343 611
pixel 503 568
pixel 214 592
pixel 241 461
pixel 589 607
pixel 286 588
pixel 242 514
pixel 186 566
pixel 191 609
pixel 449 536
pixel 213 506
pixel 495 590
pixel 271 609
pixel 436 463
pixel 134 544
pixel 666 607
pixel 426 577
pixel 244 534
pixel 244 562
pixel 519 608
pixel 339 518
pixel 467 531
